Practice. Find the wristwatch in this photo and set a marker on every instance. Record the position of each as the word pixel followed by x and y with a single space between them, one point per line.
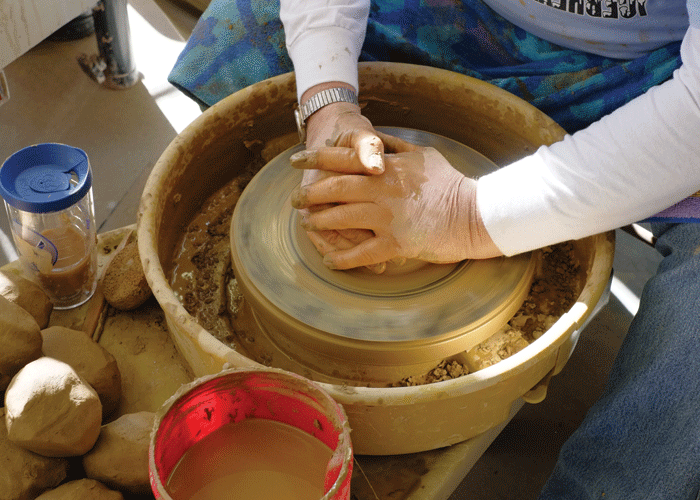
pixel 319 100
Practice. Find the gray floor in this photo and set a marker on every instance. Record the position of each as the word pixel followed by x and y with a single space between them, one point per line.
pixel 124 133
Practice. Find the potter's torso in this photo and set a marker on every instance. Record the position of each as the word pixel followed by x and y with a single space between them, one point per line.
pixel 613 28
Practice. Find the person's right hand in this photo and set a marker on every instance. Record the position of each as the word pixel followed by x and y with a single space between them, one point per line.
pixel 420 207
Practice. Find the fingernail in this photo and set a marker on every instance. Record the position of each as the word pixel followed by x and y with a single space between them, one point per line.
pixel 398 261
pixel 377 268
pixel 307 158
pixel 376 163
pixel 298 197
pixel 328 262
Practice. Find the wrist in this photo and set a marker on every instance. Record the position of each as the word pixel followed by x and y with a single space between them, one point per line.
pixel 311 91
pixel 321 103
pixel 478 238
pixel 320 127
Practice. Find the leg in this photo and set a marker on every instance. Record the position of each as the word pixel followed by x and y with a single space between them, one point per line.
pixel 641 440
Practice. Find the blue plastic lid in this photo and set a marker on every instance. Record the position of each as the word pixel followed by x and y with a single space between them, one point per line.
pixel 45 178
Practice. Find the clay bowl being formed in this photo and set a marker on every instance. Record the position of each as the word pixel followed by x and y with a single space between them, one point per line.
pixel 250 124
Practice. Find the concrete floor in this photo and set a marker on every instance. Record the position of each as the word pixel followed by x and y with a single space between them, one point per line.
pixel 124 133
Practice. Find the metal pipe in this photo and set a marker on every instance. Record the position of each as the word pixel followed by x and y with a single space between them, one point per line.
pixel 114 43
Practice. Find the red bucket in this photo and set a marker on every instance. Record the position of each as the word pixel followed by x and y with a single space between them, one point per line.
pixel 258 404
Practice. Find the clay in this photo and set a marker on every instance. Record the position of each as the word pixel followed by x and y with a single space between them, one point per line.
pixel 445 370
pixel 81 489
pixel 552 293
pixel 26 294
pixel 120 456
pixel 51 410
pixel 20 338
pixel 90 360
pixel 202 269
pixel 124 282
pixel 24 474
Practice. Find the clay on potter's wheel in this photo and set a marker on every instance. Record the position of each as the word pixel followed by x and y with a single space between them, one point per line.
pixel 283 275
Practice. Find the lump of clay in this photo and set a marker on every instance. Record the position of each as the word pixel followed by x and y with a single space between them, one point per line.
pixel 120 456
pixel 89 359
pixel 124 283
pixel 51 410
pixel 24 474
pixel 20 338
pixel 81 489
pixel 26 294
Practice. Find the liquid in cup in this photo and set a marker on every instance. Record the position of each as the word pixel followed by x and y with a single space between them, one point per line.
pixel 47 190
pixel 253 433
pixel 257 459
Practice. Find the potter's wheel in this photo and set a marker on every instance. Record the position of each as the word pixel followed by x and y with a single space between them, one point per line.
pixel 408 317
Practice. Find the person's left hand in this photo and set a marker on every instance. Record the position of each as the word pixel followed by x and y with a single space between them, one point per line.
pixel 420 207
pixel 340 124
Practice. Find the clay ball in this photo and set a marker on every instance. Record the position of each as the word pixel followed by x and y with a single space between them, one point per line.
pixel 20 338
pixel 124 283
pixel 51 410
pixel 89 359
pixel 24 474
pixel 120 456
pixel 81 489
pixel 26 294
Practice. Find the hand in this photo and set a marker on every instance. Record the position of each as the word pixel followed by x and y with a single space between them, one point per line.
pixel 339 124
pixel 420 207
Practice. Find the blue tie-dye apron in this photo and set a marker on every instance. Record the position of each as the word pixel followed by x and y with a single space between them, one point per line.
pixel 240 42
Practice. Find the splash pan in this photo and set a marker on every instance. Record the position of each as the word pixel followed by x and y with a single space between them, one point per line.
pixel 246 127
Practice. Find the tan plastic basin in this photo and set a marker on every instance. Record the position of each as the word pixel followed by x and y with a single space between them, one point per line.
pixel 231 135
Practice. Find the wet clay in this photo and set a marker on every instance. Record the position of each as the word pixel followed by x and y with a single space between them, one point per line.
pixel 555 287
pixel 203 281
pixel 202 266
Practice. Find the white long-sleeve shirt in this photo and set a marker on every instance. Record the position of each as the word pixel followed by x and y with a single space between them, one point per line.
pixel 629 165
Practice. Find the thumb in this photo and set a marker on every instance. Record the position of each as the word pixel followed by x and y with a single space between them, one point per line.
pixel 370 151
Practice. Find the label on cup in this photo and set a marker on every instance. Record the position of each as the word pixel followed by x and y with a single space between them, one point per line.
pixel 37 250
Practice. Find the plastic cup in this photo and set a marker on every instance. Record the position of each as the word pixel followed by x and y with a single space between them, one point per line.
pixel 47 190
pixel 189 445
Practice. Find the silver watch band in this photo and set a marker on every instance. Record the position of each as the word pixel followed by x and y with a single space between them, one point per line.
pixel 319 100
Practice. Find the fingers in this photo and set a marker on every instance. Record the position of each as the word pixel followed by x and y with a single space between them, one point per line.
pixel 327 241
pixel 367 161
pixel 396 145
pixel 332 241
pixel 359 135
pixel 353 216
pixel 333 190
pixel 340 160
pixel 370 150
pixel 368 253
pixel 366 156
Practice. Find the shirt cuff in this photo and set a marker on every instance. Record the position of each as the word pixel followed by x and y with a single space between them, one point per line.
pixel 336 61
